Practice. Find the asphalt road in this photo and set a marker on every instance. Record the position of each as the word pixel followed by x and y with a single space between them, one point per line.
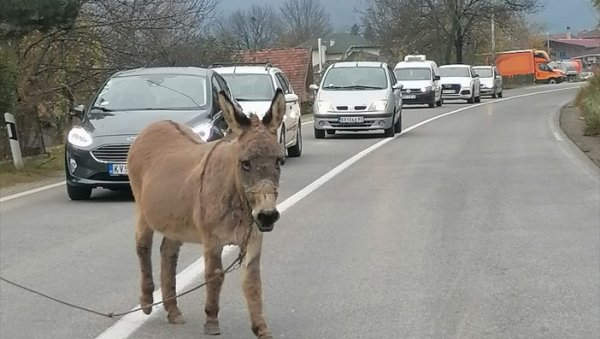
pixel 480 224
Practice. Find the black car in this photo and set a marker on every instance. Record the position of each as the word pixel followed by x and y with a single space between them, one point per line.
pixel 96 148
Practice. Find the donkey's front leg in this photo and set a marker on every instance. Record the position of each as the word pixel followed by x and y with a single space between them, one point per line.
pixel 214 277
pixel 169 253
pixel 252 287
pixel 143 247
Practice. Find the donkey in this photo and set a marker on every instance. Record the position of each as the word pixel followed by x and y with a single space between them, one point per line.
pixel 219 193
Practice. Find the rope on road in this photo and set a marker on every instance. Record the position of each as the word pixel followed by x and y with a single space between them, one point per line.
pixel 232 267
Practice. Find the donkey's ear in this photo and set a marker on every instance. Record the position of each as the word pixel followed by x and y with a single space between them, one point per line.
pixel 235 119
pixel 274 115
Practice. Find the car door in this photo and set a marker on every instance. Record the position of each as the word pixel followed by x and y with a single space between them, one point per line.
pixel 497 80
pixel 397 94
pixel 292 109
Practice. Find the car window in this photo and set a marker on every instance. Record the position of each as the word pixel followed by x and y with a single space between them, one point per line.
pixel 455 72
pixel 417 73
pixel 484 72
pixel 223 84
pixel 153 92
pixel 285 86
pixel 250 87
pixel 355 78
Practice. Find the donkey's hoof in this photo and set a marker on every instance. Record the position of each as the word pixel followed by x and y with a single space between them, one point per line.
pixel 212 328
pixel 176 318
pixel 145 302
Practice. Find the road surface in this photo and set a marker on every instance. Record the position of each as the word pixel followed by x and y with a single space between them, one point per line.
pixel 483 223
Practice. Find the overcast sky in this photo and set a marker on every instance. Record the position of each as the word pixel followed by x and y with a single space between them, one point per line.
pixel 557 14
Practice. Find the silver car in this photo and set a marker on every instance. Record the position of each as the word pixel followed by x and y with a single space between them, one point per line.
pixel 490 80
pixel 358 96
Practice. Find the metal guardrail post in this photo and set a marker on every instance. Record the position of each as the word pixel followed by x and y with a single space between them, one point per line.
pixel 13 139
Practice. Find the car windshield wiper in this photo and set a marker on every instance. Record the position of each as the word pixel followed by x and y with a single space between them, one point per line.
pixel 103 109
pixel 353 87
pixel 247 99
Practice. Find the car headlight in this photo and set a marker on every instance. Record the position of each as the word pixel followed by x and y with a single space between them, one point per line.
pixel 324 106
pixel 79 137
pixel 203 130
pixel 426 89
pixel 378 105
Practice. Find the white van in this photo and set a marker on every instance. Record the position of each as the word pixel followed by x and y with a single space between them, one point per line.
pixel 420 79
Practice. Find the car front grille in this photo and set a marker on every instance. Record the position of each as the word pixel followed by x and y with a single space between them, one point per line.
pixel 116 153
pixel 455 87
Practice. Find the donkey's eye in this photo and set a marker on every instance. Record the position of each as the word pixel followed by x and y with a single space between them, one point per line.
pixel 246 165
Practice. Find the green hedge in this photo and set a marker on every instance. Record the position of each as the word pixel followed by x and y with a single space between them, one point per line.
pixel 588 100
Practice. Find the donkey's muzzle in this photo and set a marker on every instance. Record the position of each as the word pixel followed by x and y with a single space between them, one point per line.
pixel 265 220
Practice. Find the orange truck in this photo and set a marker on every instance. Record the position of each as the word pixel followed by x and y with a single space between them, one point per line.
pixel 528 63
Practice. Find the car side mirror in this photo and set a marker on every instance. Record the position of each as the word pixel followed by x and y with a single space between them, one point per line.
pixel 291 97
pixel 476 76
pixel 78 111
pixel 313 87
pixel 398 86
pixel 437 77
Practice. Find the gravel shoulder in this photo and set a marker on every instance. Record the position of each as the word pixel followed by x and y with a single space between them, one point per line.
pixel 573 125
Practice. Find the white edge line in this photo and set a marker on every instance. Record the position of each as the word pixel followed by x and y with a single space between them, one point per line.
pixel 127 325
pixel 32 191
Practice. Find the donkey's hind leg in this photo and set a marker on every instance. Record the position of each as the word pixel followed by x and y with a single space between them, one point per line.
pixel 169 253
pixel 143 240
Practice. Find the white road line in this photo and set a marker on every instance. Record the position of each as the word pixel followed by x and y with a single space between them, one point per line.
pixel 32 191
pixel 127 325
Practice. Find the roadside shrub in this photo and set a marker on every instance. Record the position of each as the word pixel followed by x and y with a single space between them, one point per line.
pixel 588 100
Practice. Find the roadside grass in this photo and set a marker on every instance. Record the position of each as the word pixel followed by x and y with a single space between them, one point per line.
pixel 35 168
pixel 588 101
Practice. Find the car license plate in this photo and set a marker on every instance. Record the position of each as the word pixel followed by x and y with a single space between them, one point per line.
pixel 351 119
pixel 117 169
pixel 409 96
pixel 450 91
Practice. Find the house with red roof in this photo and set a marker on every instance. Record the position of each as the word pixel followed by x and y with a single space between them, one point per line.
pixel 296 63
pixel 568 46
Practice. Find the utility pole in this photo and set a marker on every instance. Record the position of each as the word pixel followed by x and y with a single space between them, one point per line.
pixel 493 39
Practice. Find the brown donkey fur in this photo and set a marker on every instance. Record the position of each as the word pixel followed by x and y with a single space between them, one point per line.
pixel 215 194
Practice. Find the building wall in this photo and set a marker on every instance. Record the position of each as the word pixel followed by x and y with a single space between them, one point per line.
pixel 565 51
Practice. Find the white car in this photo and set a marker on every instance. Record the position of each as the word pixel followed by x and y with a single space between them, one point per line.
pixel 491 81
pixel 420 79
pixel 253 87
pixel 460 82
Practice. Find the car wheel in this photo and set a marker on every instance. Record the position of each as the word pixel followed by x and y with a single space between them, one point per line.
pixel 494 96
pixel 282 143
pixel 79 192
pixel 432 103
pixel 398 125
pixel 500 94
pixel 319 133
pixel 552 81
pixel 439 103
pixel 478 98
pixel 389 132
pixel 296 150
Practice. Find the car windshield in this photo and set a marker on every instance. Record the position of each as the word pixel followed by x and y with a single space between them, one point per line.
pixel 153 92
pixel 413 73
pixel 454 72
pixel 484 72
pixel 355 78
pixel 250 87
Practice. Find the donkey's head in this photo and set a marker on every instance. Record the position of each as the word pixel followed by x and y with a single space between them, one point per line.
pixel 258 156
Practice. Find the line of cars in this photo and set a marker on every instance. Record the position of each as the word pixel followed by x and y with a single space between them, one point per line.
pixel 97 147
pixel 352 96
pixel 362 96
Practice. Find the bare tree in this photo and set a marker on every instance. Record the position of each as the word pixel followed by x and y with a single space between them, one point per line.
pixel 445 27
pixel 255 28
pixel 305 19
